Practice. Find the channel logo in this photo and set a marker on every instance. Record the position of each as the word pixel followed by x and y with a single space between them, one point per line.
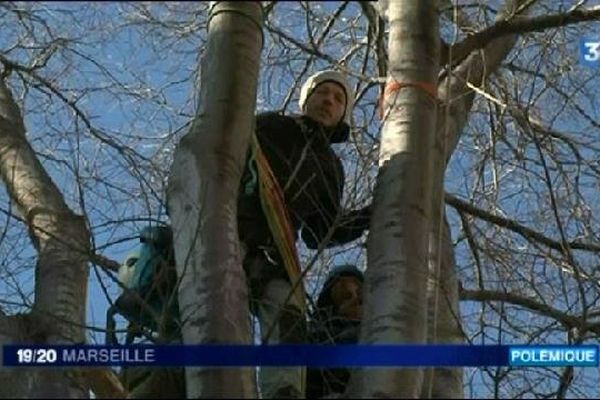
pixel 589 52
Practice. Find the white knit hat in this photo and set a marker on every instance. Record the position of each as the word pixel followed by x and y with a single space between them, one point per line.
pixel 324 76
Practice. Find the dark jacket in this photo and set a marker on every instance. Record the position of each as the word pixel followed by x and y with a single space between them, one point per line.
pixel 327 327
pixel 311 177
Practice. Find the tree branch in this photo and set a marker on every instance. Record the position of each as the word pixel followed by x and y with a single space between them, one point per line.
pixel 567 320
pixel 527 233
pixel 504 27
pixel 376 33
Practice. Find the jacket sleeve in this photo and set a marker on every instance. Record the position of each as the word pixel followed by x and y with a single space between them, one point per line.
pixel 346 226
pixel 349 227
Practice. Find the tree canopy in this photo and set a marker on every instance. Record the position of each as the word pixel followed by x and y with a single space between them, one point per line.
pixel 107 90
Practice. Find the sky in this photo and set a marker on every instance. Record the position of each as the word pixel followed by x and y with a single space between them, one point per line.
pixel 140 95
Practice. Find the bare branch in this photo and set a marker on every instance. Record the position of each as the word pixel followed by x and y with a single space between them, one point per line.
pixel 567 320
pixel 527 233
pixel 520 25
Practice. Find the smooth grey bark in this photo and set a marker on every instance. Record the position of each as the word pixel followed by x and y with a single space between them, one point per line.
pixel 398 266
pixel 395 295
pixel 62 240
pixel 444 324
pixel 456 99
pixel 202 197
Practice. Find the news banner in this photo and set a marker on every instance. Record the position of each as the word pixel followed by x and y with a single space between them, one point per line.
pixel 294 355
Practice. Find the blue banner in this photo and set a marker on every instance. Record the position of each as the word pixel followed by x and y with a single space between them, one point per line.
pixel 293 355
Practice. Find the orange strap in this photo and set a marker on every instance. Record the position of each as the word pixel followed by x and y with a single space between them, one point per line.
pixel 395 86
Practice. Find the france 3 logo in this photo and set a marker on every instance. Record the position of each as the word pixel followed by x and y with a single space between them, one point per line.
pixel 589 52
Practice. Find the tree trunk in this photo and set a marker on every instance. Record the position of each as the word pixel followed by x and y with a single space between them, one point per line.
pixel 396 306
pixel 456 101
pixel 202 194
pixel 454 91
pixel 62 240
pixel 399 252
pixel 444 324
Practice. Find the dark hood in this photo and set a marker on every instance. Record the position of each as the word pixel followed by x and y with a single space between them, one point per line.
pixel 342 270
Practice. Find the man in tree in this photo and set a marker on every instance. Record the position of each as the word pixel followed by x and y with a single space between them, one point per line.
pixel 335 321
pixel 311 178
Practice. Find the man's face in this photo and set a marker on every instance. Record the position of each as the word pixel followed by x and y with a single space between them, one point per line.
pixel 326 104
pixel 346 295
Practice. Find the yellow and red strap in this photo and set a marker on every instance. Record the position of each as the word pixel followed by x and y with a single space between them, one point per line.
pixel 273 205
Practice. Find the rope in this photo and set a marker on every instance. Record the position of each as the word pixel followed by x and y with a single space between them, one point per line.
pixel 394 86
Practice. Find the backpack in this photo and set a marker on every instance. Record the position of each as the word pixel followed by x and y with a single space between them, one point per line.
pixel 149 278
